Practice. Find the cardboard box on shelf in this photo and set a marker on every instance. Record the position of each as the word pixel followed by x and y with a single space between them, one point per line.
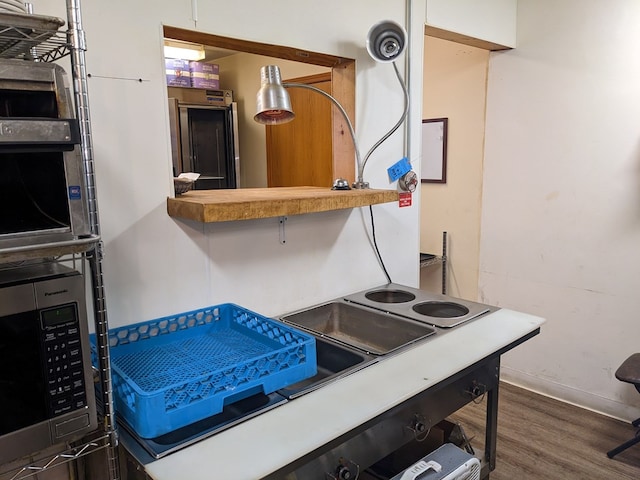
pixel 204 75
pixel 177 71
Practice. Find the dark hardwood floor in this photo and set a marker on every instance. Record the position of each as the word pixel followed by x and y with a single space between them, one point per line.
pixel 543 438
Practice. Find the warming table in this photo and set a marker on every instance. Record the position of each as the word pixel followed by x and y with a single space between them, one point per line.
pixel 290 435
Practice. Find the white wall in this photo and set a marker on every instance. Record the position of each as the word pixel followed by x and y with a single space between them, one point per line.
pixel 455 80
pixel 490 20
pixel 561 212
pixel 156 265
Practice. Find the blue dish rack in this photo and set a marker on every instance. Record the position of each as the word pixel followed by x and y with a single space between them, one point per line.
pixel 176 370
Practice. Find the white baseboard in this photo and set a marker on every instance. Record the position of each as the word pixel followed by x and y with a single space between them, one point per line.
pixel 567 394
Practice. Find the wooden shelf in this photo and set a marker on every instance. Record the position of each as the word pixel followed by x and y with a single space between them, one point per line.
pixel 250 203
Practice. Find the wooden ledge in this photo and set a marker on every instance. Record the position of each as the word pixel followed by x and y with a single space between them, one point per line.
pixel 250 203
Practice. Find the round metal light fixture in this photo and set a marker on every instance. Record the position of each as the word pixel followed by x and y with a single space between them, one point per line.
pixel 273 105
pixel 386 41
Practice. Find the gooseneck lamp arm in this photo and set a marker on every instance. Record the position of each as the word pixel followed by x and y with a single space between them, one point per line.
pixel 274 107
pixel 397 125
pixel 385 42
pixel 352 132
pixel 360 183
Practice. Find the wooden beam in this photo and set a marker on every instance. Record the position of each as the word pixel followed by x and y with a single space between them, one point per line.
pixel 269 50
pixel 464 39
pixel 251 203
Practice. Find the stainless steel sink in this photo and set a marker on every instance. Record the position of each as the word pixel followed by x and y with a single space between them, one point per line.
pixel 367 329
pixel 334 362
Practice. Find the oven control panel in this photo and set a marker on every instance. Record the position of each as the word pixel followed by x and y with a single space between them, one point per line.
pixel 63 357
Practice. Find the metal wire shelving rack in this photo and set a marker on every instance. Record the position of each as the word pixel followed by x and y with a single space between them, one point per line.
pixel 427 260
pixel 39 38
pixel 71 454
pixel 32 37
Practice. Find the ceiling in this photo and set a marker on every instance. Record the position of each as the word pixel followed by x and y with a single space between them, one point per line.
pixel 214 53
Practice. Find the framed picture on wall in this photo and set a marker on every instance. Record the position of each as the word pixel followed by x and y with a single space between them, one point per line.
pixel 433 167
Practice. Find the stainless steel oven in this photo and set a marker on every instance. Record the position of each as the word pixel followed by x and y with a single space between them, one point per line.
pixel 42 182
pixel 204 136
pixel 46 387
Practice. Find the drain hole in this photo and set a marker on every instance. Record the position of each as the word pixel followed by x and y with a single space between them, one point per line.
pixel 390 296
pixel 441 309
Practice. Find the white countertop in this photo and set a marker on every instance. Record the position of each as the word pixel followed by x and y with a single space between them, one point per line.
pixel 264 444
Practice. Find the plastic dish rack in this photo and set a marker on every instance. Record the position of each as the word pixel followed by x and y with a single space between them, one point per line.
pixel 176 370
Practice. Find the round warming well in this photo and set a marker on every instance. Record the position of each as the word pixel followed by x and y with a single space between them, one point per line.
pixel 390 296
pixel 441 309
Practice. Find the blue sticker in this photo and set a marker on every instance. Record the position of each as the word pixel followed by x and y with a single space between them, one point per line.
pixel 74 192
pixel 398 169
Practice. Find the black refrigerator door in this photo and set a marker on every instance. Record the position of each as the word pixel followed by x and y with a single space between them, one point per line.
pixel 209 149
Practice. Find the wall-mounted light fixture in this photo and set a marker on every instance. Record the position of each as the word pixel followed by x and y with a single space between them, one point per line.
pixel 183 50
pixel 385 42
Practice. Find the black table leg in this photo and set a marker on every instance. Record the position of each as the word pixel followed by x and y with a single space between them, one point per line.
pixel 491 432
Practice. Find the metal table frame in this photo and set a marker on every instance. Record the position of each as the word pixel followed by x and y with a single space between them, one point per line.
pixel 442 400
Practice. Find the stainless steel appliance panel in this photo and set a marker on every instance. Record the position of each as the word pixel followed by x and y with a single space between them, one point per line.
pixel 367 329
pixel 16 300
pixel 46 381
pixel 410 421
pixel 42 181
pixel 432 308
pixel 204 136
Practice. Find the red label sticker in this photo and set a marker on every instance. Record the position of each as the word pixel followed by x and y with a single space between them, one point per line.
pixel 404 199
